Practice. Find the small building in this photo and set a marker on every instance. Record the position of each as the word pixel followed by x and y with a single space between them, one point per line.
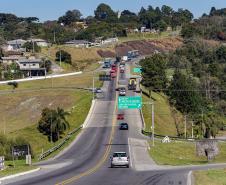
pixel 78 43
pixel 110 41
pixel 11 59
pixel 39 42
pixel 31 67
pixel 16 44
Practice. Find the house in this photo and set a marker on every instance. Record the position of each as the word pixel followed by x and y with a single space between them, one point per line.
pixel 39 42
pixel 31 67
pixel 78 43
pixel 11 59
pixel 16 44
pixel 109 41
pixel 142 29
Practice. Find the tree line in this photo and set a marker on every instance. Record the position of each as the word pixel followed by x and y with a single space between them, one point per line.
pixel 198 85
pixel 105 23
pixel 209 26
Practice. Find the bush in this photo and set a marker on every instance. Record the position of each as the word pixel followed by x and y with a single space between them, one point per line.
pixel 63 56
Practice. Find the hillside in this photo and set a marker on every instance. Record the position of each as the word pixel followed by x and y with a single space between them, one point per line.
pixel 148 47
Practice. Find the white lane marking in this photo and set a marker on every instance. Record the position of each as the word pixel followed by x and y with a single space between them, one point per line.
pixel 189 178
pixel 130 156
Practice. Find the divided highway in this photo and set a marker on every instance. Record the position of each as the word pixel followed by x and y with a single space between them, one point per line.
pixel 87 161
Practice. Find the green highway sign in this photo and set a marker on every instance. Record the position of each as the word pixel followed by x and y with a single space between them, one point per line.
pixel 129 102
pixel 137 70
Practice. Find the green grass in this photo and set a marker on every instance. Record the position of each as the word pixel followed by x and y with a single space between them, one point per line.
pixel 210 177
pixel 20 166
pixel 164 117
pixel 182 153
pixel 76 118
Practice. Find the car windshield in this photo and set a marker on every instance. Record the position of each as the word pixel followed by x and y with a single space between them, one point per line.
pixel 119 155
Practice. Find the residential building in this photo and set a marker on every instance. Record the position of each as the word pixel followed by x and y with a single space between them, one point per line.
pixel 78 43
pixel 39 42
pixel 16 44
pixel 11 59
pixel 31 67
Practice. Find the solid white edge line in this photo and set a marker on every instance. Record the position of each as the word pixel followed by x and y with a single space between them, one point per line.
pixel 19 174
pixel 189 181
pixel 130 156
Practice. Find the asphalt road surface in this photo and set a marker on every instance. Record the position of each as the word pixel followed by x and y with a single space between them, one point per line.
pixel 87 161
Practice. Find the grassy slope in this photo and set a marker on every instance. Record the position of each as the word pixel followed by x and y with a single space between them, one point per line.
pixel 164 121
pixel 82 102
pixel 182 153
pixel 210 177
pixel 82 58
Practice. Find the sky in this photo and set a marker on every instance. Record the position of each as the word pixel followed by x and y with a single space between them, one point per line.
pixel 52 9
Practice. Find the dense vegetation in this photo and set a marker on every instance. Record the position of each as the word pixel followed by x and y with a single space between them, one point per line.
pixel 198 86
pixel 53 123
pixel 105 23
pixel 212 26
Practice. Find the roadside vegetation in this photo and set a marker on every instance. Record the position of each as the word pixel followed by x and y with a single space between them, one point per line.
pixel 210 177
pixel 182 153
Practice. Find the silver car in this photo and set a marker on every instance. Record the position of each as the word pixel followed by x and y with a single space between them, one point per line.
pixel 120 159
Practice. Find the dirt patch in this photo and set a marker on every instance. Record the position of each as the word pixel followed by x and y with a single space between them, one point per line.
pixel 106 53
pixel 148 47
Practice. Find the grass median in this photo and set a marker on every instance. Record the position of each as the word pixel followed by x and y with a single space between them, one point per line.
pixel 210 177
pixel 182 153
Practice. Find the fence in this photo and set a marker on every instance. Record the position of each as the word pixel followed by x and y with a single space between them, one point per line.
pixel 51 150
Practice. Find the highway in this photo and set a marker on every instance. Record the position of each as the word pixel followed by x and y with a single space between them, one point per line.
pixel 87 161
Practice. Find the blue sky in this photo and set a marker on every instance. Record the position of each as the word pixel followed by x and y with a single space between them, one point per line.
pixel 52 9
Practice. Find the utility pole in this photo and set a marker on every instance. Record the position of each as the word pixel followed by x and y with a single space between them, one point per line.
pixel 153 125
pixel 4 125
pixel 33 44
pixel 51 133
pixel 93 87
pixel 54 37
pixel 192 131
pixel 60 57
pixel 185 126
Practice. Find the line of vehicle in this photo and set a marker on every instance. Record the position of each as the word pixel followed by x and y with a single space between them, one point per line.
pixel 106 154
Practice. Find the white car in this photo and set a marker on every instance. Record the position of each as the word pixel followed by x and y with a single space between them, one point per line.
pixel 120 159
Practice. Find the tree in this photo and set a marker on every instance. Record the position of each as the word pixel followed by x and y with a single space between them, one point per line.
pixel 63 56
pixel 128 16
pixel 46 64
pixel 70 17
pixel 153 72
pixel 30 46
pixel 184 95
pixel 104 13
pixel 212 11
pixel 161 25
pixel 53 123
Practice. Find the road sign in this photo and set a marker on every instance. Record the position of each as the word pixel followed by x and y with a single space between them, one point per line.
pixel 104 77
pixel 137 70
pixel 129 102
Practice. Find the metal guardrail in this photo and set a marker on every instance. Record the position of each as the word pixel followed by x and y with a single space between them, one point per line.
pixel 178 138
pixel 51 150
